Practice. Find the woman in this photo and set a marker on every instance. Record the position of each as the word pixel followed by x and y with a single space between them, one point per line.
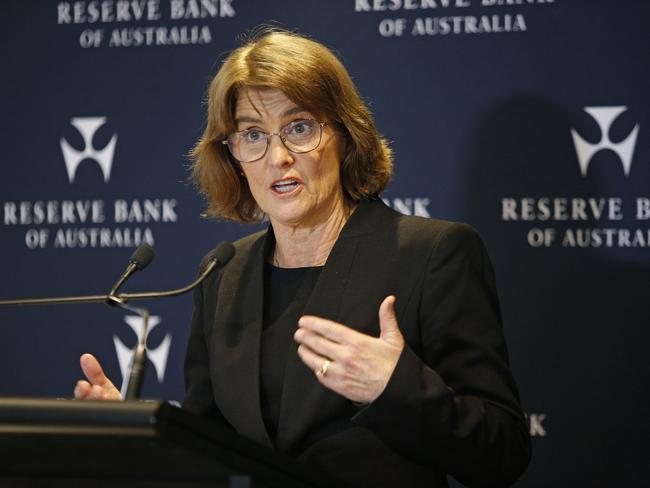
pixel 400 375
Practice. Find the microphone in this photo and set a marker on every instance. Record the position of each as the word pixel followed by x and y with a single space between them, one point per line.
pixel 139 260
pixel 220 256
pixel 222 253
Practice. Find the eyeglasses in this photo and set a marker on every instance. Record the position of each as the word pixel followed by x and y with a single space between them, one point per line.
pixel 300 136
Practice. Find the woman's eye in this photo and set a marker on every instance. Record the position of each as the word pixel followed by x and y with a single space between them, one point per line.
pixel 300 127
pixel 253 135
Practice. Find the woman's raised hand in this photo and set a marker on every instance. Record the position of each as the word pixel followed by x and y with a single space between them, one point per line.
pixel 354 365
pixel 98 386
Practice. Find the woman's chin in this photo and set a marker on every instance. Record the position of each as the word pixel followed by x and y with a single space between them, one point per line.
pixel 293 215
pixel 290 219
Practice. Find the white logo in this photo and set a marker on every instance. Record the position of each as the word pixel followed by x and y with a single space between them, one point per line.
pixel 157 356
pixel 87 126
pixel 410 206
pixel 604 117
pixel 535 424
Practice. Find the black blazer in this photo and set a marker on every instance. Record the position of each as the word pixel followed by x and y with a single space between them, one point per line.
pixel 451 405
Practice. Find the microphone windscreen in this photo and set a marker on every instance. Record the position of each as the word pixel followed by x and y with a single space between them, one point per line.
pixel 223 253
pixel 142 256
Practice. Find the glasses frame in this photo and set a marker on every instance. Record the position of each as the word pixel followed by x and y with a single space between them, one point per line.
pixel 226 141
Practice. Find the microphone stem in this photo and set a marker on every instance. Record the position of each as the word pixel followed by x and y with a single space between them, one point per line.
pixel 112 299
pixel 54 301
pixel 139 361
pixel 125 297
pixel 131 268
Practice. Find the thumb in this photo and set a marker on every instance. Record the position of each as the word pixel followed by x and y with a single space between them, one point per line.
pixel 93 370
pixel 388 326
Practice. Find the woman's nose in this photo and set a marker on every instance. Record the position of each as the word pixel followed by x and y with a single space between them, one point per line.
pixel 278 154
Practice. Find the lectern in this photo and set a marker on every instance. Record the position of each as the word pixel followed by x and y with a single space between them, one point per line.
pixel 67 443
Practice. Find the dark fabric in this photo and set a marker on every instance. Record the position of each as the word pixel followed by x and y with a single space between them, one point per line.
pixel 286 291
pixel 451 405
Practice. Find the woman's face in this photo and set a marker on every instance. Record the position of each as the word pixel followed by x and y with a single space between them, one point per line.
pixel 292 189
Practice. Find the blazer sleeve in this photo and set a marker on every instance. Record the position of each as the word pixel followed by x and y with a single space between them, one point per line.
pixel 451 400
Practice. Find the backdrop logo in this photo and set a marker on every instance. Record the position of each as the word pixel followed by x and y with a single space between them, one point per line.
pixel 536 426
pixel 137 23
pixel 87 221
pixel 586 221
pixel 87 127
pixel 410 206
pixel 404 18
pixel 605 117
pixel 158 356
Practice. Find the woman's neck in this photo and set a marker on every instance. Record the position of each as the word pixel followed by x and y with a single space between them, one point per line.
pixel 301 246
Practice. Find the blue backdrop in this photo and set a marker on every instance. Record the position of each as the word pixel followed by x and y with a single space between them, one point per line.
pixel 528 119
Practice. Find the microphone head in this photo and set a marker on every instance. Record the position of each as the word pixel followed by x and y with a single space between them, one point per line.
pixel 142 256
pixel 223 253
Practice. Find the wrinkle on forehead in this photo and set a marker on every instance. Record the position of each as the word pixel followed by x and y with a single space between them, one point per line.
pixel 263 102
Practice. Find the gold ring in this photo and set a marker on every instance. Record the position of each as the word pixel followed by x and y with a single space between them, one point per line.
pixel 323 369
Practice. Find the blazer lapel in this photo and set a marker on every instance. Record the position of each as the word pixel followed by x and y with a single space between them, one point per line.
pixel 236 342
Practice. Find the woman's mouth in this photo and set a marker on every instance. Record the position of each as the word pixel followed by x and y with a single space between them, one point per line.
pixel 286 186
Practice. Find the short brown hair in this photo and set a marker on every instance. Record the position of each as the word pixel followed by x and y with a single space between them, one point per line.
pixel 310 75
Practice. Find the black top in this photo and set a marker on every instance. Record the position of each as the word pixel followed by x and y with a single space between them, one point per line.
pixel 286 291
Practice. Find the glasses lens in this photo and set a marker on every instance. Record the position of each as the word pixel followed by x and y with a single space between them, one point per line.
pixel 302 135
pixel 247 145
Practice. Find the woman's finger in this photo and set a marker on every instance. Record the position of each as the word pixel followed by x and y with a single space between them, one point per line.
pixel 98 386
pixel 313 360
pixel 81 390
pixel 332 330
pixel 319 344
pixel 96 393
pixel 93 370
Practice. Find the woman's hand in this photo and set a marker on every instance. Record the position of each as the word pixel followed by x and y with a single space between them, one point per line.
pixel 354 365
pixel 98 386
